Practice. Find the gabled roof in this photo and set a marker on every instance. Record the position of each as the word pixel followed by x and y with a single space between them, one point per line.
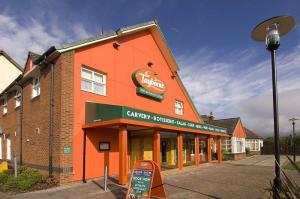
pixel 150 25
pixel 54 51
pixel 33 55
pixel 229 123
pixel 251 135
pixel 2 52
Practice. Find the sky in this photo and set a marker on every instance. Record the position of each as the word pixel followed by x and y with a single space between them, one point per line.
pixel 224 70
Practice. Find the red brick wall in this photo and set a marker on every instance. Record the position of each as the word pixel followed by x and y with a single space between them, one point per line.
pixel 10 125
pixel 36 114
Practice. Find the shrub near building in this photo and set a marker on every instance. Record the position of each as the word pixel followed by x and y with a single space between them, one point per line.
pixel 25 180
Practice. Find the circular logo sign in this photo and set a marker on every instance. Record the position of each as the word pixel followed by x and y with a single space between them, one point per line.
pixel 149 80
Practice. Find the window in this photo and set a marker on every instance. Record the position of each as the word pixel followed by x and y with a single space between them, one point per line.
pixel 36 90
pixel 18 98
pixel 178 107
pixel 93 82
pixel 4 106
pixel 226 145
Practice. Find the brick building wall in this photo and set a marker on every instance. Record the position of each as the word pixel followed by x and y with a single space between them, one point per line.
pixel 63 115
pixel 10 124
pixel 36 120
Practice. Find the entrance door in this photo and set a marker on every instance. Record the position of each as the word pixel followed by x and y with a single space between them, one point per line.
pixel 136 150
pixel 140 148
pixel 8 149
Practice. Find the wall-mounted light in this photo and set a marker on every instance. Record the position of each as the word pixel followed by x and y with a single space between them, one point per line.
pixel 116 45
pixel 150 64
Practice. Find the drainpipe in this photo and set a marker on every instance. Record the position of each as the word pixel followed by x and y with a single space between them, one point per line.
pixel 84 153
pixel 21 127
pixel 51 122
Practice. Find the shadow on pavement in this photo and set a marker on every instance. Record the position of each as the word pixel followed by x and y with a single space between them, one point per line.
pixel 211 196
pixel 118 191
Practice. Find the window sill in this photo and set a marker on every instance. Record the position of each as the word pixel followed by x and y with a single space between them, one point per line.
pixel 35 98
pixel 93 93
pixel 17 107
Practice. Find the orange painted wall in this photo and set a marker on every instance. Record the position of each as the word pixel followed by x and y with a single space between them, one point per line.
pixel 135 52
pixel 239 131
pixel 95 158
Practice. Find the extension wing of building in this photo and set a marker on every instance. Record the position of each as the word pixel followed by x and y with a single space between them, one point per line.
pixel 254 142
pixel 235 145
pixel 112 99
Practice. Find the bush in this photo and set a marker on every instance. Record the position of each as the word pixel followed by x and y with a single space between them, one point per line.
pixel 5 175
pixel 26 179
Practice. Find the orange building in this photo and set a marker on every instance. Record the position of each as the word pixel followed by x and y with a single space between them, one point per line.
pixel 115 99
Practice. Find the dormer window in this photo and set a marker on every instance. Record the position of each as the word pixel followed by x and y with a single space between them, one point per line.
pixel 18 98
pixel 5 106
pixel 36 90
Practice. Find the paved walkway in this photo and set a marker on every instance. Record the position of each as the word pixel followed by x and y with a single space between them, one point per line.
pixel 248 178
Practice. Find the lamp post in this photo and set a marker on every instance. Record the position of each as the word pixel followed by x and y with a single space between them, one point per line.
pixel 270 32
pixel 294 137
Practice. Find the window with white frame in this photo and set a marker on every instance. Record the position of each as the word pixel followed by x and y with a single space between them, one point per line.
pixel 4 105
pixel 226 145
pixel 178 107
pixel 18 98
pixel 92 81
pixel 253 144
pixel 36 88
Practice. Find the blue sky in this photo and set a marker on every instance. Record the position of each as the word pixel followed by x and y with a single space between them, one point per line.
pixel 224 70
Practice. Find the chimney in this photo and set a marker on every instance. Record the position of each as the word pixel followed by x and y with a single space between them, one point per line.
pixel 211 117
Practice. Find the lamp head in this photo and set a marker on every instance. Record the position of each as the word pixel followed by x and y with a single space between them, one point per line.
pixel 270 30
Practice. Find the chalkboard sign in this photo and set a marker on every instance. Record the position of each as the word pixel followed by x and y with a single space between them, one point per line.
pixel 145 181
pixel 140 184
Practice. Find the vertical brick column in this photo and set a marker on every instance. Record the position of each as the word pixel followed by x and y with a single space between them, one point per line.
pixel 197 158
pixel 180 146
pixel 219 140
pixel 123 155
pixel 209 154
pixel 156 147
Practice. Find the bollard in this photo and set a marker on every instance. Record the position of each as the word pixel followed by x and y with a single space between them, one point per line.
pixel 105 177
pixel 15 164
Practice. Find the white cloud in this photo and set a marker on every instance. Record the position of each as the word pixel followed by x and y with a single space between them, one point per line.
pixel 17 39
pixel 232 87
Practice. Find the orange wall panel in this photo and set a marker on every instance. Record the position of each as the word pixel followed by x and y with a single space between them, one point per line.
pixel 135 52
pixel 239 131
pixel 95 159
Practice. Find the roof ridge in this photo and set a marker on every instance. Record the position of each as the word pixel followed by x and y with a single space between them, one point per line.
pixel 228 118
pixel 102 36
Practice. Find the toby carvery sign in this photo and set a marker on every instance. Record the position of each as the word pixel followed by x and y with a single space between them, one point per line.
pixel 149 84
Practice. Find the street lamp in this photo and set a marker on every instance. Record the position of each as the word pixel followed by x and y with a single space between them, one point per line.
pixel 270 31
pixel 294 137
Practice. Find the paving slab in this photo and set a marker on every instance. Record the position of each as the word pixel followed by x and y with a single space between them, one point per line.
pixel 218 181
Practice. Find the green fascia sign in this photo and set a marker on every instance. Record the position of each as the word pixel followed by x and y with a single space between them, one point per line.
pixel 103 112
pixel 142 91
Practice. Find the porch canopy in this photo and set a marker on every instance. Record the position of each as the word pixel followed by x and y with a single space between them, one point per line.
pixel 104 115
